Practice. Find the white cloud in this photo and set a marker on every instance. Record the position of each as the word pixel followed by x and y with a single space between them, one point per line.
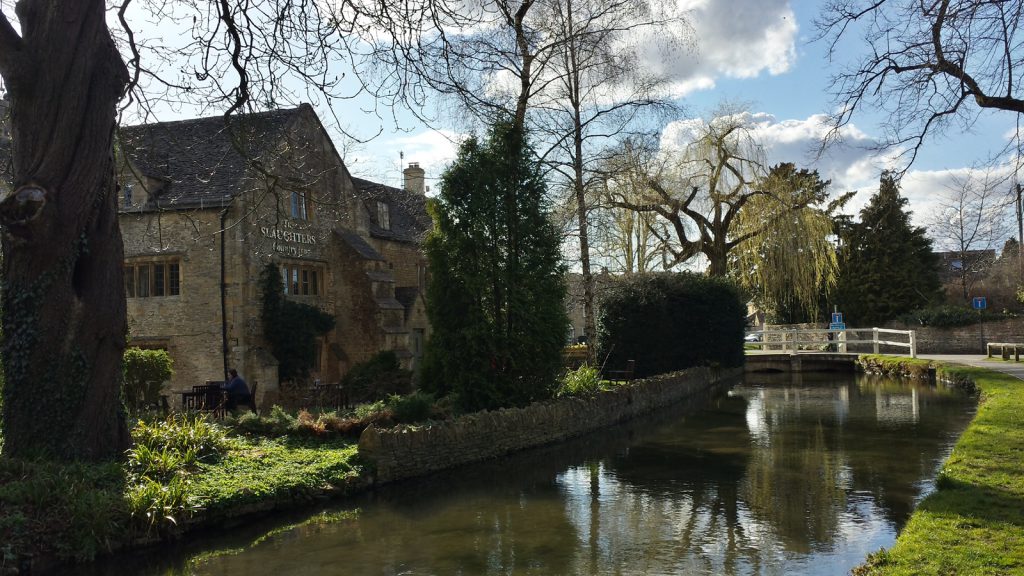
pixel 736 39
pixel 852 164
pixel 432 149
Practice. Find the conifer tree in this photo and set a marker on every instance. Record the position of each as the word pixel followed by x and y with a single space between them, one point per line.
pixel 887 266
pixel 496 292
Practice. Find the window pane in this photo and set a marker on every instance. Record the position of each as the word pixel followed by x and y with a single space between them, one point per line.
pixel 144 280
pixel 158 279
pixel 305 282
pixel 284 278
pixel 129 281
pixel 295 281
pixel 314 283
pixel 298 205
pixel 173 279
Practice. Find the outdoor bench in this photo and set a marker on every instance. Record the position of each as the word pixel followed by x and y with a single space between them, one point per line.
pixel 1004 349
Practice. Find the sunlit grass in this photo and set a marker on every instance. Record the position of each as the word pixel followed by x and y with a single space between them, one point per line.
pixel 178 470
pixel 974 522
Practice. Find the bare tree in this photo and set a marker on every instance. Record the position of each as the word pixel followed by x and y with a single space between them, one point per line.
pixel 930 66
pixel 623 239
pixel 971 221
pixel 599 93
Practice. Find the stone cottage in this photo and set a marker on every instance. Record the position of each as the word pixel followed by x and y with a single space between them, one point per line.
pixel 205 205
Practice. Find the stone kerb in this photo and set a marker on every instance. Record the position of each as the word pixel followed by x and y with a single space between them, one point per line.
pixel 403 452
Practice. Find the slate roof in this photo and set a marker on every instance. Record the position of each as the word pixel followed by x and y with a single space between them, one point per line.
pixel 407 211
pixel 357 243
pixel 196 159
pixel 199 166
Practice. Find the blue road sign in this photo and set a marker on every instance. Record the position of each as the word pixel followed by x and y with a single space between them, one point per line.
pixel 837 325
pixel 837 317
pixel 979 303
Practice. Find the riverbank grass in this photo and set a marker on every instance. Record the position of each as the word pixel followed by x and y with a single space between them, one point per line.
pixel 974 522
pixel 180 471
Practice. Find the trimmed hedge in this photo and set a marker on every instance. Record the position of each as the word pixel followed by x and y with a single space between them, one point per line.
pixel 671 321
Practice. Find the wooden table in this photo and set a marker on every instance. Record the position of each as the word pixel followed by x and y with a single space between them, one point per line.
pixel 204 398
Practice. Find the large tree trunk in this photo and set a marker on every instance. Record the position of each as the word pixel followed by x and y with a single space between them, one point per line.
pixel 64 324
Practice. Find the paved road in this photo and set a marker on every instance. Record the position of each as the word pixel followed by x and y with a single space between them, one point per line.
pixel 979 360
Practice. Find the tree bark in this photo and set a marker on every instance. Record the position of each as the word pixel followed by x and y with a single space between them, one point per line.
pixel 64 319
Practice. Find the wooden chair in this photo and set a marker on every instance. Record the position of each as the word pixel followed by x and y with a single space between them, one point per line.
pixel 251 400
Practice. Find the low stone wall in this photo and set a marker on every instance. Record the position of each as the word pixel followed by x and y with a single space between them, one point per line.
pixel 402 452
pixel 964 339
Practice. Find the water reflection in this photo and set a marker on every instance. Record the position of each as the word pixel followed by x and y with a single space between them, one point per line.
pixel 776 476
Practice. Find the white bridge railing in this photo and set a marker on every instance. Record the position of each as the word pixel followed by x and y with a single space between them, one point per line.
pixel 799 340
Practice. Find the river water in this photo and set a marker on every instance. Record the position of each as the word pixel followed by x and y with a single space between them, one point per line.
pixel 774 475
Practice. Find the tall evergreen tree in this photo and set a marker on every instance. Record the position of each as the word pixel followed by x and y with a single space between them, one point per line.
pixel 496 292
pixel 887 266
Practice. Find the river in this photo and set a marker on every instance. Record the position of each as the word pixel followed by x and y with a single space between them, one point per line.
pixel 785 474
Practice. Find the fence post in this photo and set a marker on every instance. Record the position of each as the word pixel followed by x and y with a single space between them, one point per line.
pixel 874 339
pixel 913 344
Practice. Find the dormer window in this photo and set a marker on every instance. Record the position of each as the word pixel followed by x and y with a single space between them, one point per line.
pixel 383 217
pixel 299 206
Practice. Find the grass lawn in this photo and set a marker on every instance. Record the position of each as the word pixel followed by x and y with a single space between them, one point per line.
pixel 179 472
pixel 973 524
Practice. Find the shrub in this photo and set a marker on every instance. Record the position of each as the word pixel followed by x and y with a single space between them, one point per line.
pixel 415 407
pixel 164 454
pixel 951 316
pixel 181 433
pixel 377 378
pixel 584 381
pixel 144 372
pixel 671 321
pixel 307 424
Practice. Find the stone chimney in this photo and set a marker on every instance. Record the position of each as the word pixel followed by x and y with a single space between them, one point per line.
pixel 414 178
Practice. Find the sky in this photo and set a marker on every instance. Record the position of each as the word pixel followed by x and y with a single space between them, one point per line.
pixel 761 54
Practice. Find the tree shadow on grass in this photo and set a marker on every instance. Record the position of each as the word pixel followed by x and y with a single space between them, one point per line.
pixel 977 504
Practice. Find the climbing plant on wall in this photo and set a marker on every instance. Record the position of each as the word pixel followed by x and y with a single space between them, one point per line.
pixel 290 328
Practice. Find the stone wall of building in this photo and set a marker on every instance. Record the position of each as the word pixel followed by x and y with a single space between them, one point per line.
pixel 399 453
pixel 188 325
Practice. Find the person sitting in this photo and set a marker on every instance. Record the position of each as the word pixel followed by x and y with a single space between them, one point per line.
pixel 237 390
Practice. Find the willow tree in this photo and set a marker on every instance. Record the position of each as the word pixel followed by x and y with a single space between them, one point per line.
pixel 626 241
pixel 710 194
pixel 791 263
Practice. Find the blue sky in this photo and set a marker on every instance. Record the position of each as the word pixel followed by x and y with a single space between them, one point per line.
pixel 760 53
pixel 756 52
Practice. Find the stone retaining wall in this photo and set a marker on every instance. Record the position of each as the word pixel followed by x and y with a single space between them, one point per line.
pixel 964 339
pixel 403 452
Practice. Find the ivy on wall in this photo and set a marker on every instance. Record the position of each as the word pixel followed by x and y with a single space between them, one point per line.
pixel 290 328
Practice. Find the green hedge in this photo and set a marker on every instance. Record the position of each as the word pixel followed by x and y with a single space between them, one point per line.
pixel 671 321
pixel 950 316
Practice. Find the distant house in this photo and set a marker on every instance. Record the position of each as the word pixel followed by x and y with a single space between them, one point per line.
pixel 955 264
pixel 963 273
pixel 205 206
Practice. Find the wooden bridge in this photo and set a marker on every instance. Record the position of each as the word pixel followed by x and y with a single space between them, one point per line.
pixel 809 341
